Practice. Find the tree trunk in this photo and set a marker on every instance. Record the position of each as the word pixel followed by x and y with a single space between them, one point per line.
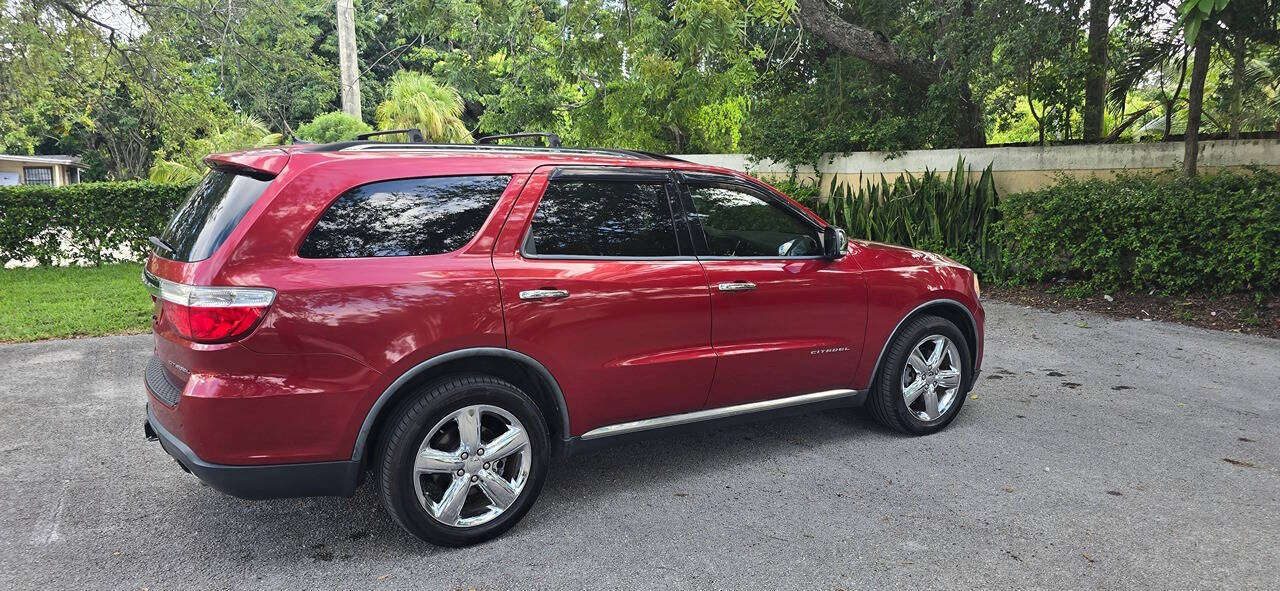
pixel 1239 55
pixel 1095 86
pixel 1195 101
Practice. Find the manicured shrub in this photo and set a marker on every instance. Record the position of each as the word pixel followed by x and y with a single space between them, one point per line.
pixel 1161 232
pixel 332 127
pixel 88 222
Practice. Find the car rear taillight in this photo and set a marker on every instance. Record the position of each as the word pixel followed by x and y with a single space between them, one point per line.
pixel 209 314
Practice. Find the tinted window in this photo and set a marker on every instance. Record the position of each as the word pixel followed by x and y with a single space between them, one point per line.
pixel 739 224
pixel 212 211
pixel 404 217
pixel 603 218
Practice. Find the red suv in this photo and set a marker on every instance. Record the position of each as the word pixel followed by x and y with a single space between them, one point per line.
pixel 448 318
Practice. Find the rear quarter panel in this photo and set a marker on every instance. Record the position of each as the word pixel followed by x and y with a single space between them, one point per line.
pixel 340 330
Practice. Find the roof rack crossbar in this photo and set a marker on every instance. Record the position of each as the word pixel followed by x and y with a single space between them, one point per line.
pixel 551 140
pixel 415 135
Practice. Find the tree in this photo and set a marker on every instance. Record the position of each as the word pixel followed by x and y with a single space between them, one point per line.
pixel 924 73
pixel 1198 20
pixel 415 100
pixel 188 166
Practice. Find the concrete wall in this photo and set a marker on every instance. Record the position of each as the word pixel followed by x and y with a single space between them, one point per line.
pixel 1014 169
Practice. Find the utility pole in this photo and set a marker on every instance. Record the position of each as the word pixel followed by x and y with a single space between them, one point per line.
pixel 350 70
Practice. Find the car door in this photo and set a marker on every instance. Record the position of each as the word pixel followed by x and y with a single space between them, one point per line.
pixel 785 320
pixel 599 287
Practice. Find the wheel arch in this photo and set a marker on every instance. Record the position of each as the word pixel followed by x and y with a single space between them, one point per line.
pixel 949 309
pixel 513 366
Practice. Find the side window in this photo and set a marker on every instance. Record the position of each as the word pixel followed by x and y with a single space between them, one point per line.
pixel 603 218
pixel 739 224
pixel 404 217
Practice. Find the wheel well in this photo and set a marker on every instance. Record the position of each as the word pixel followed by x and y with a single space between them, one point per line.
pixel 948 310
pixel 520 374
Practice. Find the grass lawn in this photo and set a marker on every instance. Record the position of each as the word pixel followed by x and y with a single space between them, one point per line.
pixel 60 302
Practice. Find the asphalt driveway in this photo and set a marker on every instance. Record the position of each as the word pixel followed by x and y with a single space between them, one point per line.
pixel 1094 453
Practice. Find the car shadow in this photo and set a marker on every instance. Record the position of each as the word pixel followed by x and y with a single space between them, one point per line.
pixel 327 529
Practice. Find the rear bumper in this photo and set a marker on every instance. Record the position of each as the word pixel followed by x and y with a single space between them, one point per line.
pixel 315 479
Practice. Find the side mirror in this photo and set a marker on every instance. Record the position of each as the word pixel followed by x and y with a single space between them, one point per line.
pixel 835 243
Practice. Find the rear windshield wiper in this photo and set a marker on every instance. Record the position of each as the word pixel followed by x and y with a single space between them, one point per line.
pixel 158 243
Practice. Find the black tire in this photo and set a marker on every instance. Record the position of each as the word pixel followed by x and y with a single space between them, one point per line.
pixel 408 428
pixel 885 402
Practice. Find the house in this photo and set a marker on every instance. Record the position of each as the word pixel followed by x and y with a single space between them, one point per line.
pixel 55 171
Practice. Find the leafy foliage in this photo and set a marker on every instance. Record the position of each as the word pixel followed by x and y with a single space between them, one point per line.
pixel 1174 235
pixel 334 126
pixel 87 222
pixel 187 166
pixel 951 213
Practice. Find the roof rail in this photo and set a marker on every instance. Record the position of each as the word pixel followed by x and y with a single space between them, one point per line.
pixel 551 140
pixel 415 135
pixel 363 144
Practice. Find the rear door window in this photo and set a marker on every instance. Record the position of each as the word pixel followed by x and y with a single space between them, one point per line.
pixel 212 210
pixel 404 217
pixel 599 218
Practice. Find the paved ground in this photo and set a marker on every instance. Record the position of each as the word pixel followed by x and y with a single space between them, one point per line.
pixel 1096 454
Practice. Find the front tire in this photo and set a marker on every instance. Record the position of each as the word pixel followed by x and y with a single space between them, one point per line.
pixel 463 461
pixel 923 377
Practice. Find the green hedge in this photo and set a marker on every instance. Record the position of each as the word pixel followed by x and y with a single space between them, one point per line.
pixel 1163 232
pixel 85 221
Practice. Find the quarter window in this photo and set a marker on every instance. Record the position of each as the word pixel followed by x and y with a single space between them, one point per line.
pixel 739 224
pixel 404 217
pixel 603 219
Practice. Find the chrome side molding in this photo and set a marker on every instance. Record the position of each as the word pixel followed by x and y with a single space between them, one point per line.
pixel 716 413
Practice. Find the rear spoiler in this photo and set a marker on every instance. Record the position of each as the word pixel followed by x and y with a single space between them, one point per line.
pixel 263 164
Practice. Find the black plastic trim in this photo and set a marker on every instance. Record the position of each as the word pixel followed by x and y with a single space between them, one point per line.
pixel 275 481
pixel 362 439
pixel 611 173
pixel 159 384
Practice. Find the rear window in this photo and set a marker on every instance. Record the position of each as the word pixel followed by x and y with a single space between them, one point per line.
pixel 603 219
pixel 211 212
pixel 404 217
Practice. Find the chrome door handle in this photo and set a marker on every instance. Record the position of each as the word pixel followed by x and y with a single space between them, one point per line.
pixel 534 295
pixel 736 286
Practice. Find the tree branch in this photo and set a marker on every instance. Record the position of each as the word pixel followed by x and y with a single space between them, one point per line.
pixel 867 45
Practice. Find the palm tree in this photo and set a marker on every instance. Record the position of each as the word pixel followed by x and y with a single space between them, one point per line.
pixel 416 100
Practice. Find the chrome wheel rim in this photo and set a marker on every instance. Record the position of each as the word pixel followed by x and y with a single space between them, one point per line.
pixel 931 377
pixel 472 465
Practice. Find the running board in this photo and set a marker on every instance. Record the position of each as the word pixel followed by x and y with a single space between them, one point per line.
pixel 716 413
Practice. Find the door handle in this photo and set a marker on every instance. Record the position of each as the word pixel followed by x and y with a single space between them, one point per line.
pixel 736 286
pixel 535 295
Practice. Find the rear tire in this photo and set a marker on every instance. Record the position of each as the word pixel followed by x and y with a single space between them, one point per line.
pixel 915 393
pixel 434 478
